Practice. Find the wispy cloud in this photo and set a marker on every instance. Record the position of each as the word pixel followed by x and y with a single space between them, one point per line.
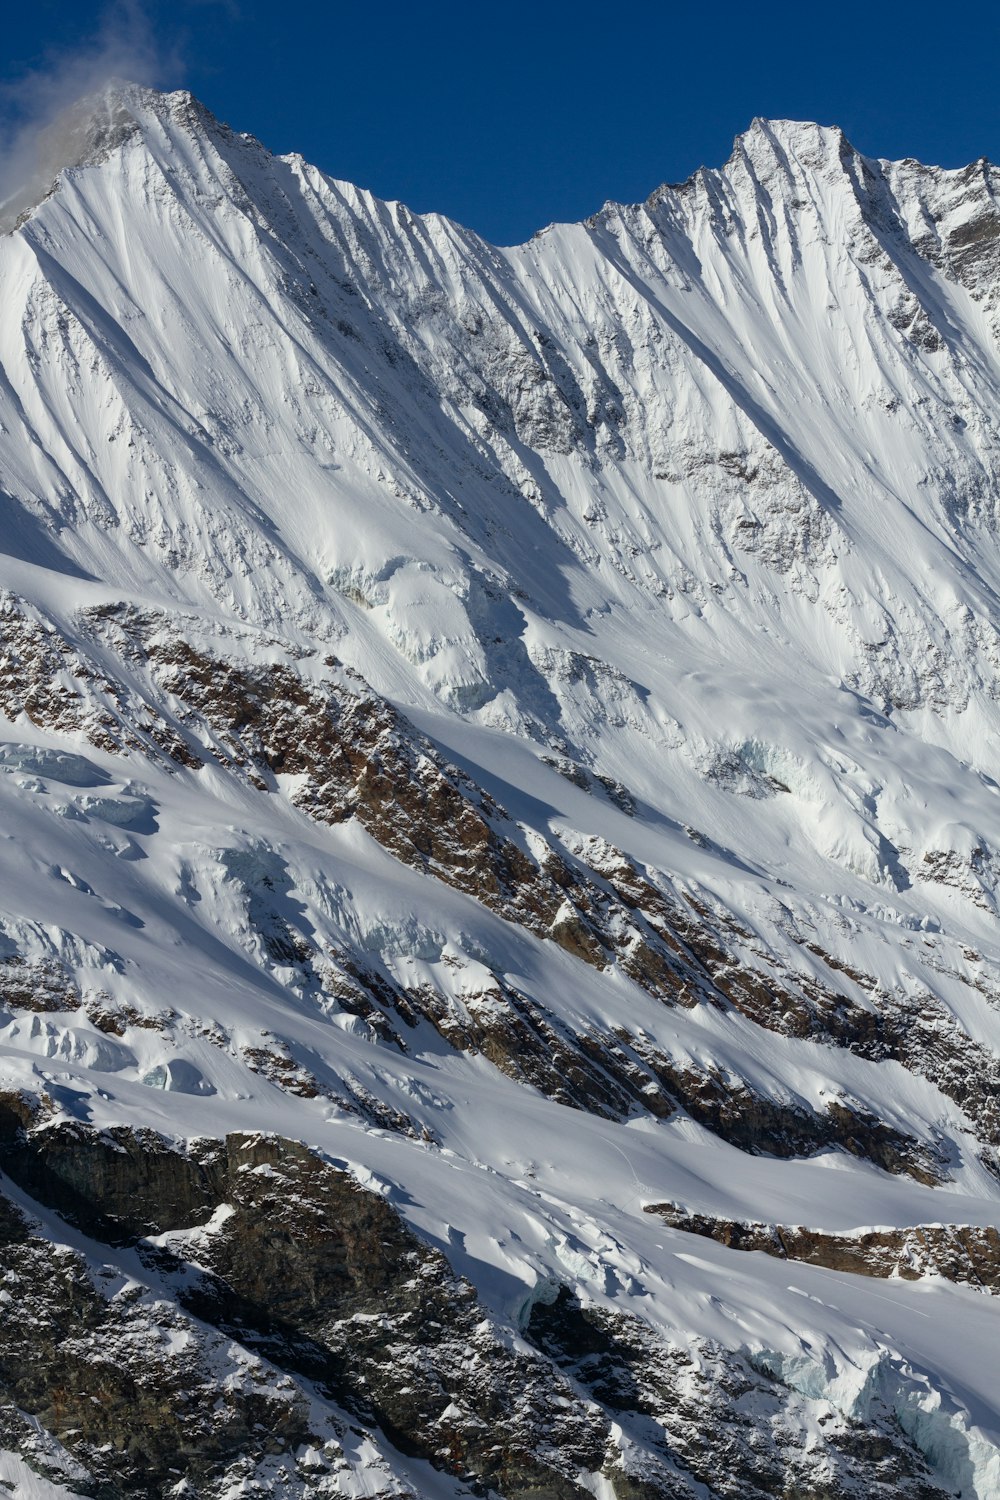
pixel 32 104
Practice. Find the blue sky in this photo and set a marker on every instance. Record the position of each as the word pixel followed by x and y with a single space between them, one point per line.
pixel 508 116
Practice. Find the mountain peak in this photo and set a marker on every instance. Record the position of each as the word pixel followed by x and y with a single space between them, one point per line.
pixel 84 130
pixel 780 144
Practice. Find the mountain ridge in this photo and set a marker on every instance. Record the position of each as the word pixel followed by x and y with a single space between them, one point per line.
pixel 116 97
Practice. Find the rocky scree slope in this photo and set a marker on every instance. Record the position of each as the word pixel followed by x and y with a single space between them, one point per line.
pixel 496 742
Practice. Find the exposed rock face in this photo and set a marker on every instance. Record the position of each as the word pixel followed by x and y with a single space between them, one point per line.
pixel 317 1275
pixel 354 756
pixel 259 1238
pixel 959 1252
pixel 725 1427
pixel 128 1386
pixel 47 680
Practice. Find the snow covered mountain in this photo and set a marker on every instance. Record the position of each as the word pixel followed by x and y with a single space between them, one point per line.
pixel 499 851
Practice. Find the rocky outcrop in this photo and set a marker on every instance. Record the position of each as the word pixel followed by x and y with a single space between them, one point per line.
pixel 46 679
pixel 330 1298
pixel 719 962
pixel 36 985
pixel 352 755
pixel 726 1427
pixel 264 1240
pixel 136 1394
pixel 964 1253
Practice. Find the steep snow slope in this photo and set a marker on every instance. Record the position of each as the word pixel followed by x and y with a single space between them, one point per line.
pixel 520 722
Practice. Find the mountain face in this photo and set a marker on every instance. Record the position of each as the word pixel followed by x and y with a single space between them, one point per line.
pixel 499 963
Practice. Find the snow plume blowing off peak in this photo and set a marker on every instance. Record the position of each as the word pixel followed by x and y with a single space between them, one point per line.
pixel 56 116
